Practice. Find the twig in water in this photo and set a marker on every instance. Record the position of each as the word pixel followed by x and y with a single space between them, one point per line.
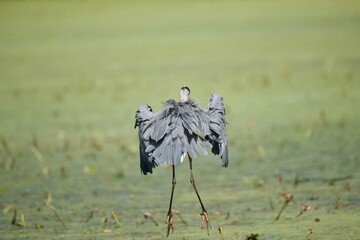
pixel 279 178
pixel 271 204
pixel 90 215
pixel 47 203
pixel 221 232
pixel 22 222
pixel 177 212
pixel 288 198
pixel 13 221
pixel 303 210
pixel 309 232
pixel 148 215
pixel 38 226
pixel 37 153
pixel 5 145
pixel 104 222
pixel 10 163
pixel 113 214
pixel 296 180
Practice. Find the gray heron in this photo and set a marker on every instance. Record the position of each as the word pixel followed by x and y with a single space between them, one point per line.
pixel 179 129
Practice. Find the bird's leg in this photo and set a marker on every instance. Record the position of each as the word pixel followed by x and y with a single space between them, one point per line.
pixel 169 217
pixel 203 214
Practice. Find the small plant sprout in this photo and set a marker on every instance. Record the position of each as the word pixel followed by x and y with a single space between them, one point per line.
pixel 104 221
pixel 220 229
pixel 91 215
pixel 148 215
pixel 260 184
pixel 271 204
pixel 288 197
pixel 177 212
pixel 10 163
pixel 37 153
pixel 337 204
pixel 47 203
pixel 116 219
pixel 279 177
pixel 21 222
pixel 303 210
pixel 309 232
pixel 15 221
pixel 296 179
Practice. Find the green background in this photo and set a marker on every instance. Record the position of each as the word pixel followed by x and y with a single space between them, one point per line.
pixel 73 73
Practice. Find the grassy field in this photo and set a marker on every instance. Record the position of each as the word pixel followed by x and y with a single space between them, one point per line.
pixel 73 73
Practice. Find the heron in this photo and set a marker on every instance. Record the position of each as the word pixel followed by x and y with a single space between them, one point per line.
pixel 181 129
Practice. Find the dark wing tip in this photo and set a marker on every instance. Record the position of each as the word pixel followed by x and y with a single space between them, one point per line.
pixel 224 157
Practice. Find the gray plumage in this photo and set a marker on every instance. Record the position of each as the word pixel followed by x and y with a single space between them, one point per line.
pixel 181 128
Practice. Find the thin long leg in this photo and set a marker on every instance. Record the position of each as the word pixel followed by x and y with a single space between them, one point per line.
pixel 204 215
pixel 169 220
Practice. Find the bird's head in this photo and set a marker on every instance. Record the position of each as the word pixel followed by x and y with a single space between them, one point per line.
pixel 184 93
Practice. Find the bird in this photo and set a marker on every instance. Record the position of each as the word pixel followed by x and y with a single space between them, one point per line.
pixel 181 129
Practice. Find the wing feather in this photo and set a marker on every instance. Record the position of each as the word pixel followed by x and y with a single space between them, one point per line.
pixel 217 124
pixel 142 116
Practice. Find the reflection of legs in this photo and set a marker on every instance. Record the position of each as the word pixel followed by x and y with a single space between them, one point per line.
pixel 169 216
pixel 204 215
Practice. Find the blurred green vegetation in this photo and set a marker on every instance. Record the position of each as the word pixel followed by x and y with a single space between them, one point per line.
pixel 73 73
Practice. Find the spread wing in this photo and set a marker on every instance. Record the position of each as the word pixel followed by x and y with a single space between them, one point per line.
pixel 178 129
pixel 217 125
pixel 142 116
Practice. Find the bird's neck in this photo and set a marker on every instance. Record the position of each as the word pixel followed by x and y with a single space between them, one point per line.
pixel 184 97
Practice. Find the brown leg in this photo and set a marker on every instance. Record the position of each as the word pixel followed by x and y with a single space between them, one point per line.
pixel 203 214
pixel 169 220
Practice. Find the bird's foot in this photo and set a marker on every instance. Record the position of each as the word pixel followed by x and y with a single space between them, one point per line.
pixel 205 220
pixel 169 222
